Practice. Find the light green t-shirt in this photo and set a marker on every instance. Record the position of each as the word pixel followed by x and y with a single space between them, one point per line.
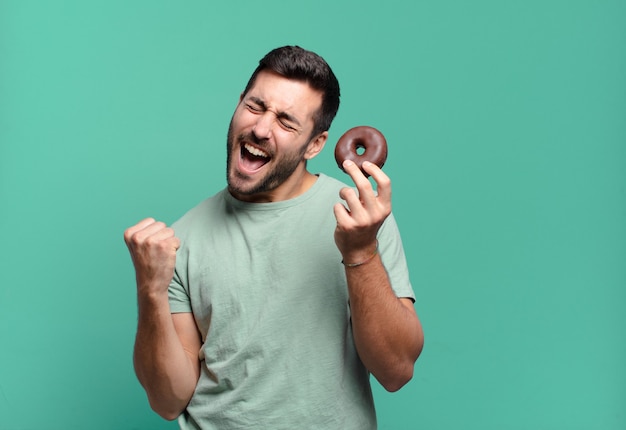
pixel 268 292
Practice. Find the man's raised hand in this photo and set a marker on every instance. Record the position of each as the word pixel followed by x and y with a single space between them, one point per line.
pixel 152 247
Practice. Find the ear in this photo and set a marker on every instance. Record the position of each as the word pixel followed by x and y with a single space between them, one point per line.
pixel 316 145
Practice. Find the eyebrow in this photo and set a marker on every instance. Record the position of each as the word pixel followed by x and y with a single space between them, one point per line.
pixel 283 115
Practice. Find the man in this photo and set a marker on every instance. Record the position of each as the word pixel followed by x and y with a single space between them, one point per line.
pixel 247 316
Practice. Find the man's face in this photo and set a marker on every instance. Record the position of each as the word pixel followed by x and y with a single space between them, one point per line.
pixel 269 135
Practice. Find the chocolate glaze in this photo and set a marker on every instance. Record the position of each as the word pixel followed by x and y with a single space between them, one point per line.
pixel 368 138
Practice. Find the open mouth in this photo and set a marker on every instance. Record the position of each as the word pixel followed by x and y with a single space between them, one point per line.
pixel 253 158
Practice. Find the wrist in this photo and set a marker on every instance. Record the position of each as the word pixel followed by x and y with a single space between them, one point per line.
pixel 360 257
pixel 152 296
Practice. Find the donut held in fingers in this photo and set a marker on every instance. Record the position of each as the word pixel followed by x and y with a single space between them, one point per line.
pixel 367 140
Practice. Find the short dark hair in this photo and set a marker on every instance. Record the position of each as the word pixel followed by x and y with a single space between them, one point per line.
pixel 294 62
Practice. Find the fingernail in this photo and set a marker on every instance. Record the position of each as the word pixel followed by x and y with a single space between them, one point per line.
pixel 348 163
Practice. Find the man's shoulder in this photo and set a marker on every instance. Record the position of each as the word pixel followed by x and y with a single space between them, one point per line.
pixel 198 214
pixel 330 184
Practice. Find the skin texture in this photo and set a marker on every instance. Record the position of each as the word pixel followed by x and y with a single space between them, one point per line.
pixel 166 345
pixel 275 117
pixel 387 331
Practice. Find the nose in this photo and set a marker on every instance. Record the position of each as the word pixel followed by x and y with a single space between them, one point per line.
pixel 263 127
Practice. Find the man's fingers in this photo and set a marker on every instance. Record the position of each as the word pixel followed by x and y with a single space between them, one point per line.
pixel 367 194
pixel 355 206
pixel 355 173
pixel 341 214
pixel 383 183
pixel 149 231
pixel 130 231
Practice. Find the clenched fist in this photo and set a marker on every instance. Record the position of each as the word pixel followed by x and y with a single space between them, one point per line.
pixel 152 247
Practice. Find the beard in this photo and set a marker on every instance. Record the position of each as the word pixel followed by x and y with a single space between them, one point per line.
pixel 239 183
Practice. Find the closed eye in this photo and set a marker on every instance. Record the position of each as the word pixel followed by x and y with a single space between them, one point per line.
pixel 286 124
pixel 254 108
pixel 287 121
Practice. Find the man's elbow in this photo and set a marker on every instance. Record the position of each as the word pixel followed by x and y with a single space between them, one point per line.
pixel 399 378
pixel 403 372
pixel 166 410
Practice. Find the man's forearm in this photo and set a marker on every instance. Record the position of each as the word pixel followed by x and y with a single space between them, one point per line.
pixel 163 368
pixel 387 334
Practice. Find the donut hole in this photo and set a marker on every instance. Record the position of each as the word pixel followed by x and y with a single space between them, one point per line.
pixel 360 149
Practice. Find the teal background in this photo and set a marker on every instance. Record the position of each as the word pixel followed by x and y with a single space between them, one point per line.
pixel 507 130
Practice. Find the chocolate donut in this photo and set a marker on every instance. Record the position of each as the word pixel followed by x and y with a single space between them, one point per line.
pixel 363 137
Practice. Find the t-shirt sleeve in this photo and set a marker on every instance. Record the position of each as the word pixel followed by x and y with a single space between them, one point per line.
pixel 178 296
pixel 178 291
pixel 394 259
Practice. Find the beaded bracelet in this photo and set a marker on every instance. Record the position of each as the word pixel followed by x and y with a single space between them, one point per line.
pixel 364 261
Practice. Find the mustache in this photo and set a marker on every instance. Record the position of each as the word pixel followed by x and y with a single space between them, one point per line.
pixel 247 137
pixel 250 137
